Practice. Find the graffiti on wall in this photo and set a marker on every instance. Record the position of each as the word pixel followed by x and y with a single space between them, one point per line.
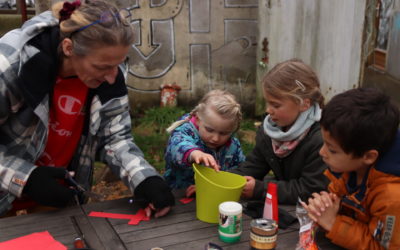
pixel 199 45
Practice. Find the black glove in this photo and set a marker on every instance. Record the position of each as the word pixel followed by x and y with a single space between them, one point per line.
pixel 155 190
pixel 42 186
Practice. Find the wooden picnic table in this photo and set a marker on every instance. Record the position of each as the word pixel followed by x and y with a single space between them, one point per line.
pixel 180 229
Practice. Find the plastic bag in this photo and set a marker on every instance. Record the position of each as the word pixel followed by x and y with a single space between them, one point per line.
pixel 307 230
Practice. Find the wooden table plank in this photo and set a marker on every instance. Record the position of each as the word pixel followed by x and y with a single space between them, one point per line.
pixel 105 234
pixel 180 229
pixel 57 222
pixel 175 221
pixel 242 244
pixel 89 234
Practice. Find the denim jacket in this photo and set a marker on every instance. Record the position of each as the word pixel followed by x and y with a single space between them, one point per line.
pixel 185 138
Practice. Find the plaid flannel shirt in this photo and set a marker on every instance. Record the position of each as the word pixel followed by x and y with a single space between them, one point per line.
pixel 27 76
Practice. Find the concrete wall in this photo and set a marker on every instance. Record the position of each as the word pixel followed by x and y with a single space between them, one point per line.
pixel 9 22
pixel 326 34
pixel 197 44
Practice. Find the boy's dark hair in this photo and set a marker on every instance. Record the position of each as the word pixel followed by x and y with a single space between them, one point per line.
pixel 360 120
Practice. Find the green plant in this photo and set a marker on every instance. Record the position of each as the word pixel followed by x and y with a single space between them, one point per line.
pixel 161 117
pixel 150 135
pixel 247 147
pixel 248 124
pixel 153 147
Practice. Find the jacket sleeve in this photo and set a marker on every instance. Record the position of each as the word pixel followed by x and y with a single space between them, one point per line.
pixel 14 173
pixel 234 156
pixel 255 164
pixel 117 148
pixel 381 232
pixel 310 180
pixel 299 174
pixel 14 170
pixel 238 155
pixel 310 168
pixel 180 144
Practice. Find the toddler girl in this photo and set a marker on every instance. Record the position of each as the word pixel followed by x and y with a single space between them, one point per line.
pixel 204 136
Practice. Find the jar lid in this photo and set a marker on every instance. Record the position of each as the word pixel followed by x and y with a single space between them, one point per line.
pixel 230 208
pixel 263 226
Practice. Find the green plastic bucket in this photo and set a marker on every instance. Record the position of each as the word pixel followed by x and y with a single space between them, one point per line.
pixel 213 188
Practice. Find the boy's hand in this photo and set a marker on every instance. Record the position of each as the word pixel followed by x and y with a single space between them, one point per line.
pixel 190 190
pixel 248 190
pixel 323 209
pixel 319 203
pixel 328 217
pixel 208 160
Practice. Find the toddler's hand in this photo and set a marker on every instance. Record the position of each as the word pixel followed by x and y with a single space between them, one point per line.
pixel 208 160
pixel 248 190
pixel 190 190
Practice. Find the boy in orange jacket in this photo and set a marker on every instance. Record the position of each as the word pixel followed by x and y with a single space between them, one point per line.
pixel 361 147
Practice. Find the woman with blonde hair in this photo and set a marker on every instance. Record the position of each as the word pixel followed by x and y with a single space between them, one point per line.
pixel 63 102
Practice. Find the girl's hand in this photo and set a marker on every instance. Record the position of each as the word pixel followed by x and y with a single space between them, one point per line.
pixel 248 190
pixel 208 160
pixel 190 190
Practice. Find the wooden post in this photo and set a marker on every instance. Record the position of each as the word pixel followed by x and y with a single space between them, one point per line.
pixel 22 5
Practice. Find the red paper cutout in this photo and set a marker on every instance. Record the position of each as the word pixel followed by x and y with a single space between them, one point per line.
pixel 35 241
pixel 111 215
pixel 134 219
pixel 139 216
pixel 186 200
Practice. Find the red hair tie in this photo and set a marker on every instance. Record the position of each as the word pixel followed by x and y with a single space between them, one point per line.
pixel 68 8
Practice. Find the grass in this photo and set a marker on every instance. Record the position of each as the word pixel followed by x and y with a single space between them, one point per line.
pixel 153 147
pixel 248 124
pixel 160 117
pixel 150 136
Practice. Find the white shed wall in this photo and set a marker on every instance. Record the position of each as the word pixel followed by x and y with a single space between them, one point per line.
pixel 325 34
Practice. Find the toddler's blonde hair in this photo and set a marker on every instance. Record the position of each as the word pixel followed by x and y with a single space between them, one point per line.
pixel 221 101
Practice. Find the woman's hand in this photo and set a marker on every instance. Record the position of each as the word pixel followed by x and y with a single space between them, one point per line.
pixel 43 186
pixel 208 160
pixel 158 194
pixel 248 190
pixel 158 212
